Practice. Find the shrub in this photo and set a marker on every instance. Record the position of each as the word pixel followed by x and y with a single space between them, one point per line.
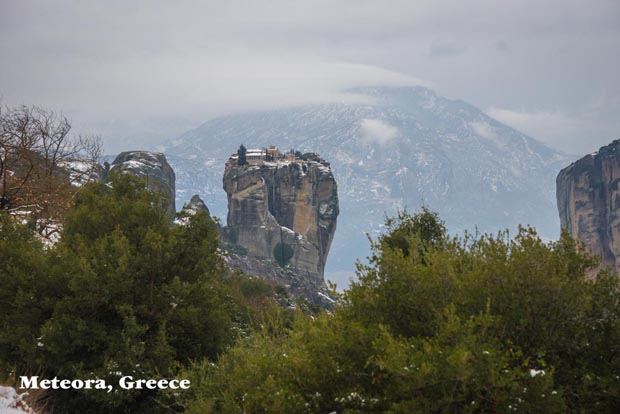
pixel 283 253
pixel 433 324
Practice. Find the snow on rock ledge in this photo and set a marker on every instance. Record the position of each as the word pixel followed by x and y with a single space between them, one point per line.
pixel 152 165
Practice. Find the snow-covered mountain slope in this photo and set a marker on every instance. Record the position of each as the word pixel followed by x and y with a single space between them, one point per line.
pixel 400 148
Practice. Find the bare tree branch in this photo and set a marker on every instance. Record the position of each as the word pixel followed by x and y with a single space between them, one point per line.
pixel 35 150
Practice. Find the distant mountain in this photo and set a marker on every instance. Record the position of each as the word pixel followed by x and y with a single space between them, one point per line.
pixel 397 148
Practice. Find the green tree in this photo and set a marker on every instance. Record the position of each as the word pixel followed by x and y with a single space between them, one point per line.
pixel 423 231
pixel 241 160
pixel 440 325
pixel 143 295
pixel 29 287
pixel 124 292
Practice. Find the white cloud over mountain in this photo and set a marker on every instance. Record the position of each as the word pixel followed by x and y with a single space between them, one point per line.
pixel 377 131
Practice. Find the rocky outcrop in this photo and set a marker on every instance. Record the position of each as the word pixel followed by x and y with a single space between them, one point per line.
pixel 588 196
pixel 283 212
pixel 196 205
pixel 154 166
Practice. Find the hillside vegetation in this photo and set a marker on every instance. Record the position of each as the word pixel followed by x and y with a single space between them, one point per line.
pixel 484 324
pixel 435 324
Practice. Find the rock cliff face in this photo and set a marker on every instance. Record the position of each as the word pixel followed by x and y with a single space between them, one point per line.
pixel 588 195
pixel 196 205
pixel 154 166
pixel 284 212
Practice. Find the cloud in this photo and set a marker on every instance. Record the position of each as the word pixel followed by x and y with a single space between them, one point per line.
pixel 594 124
pixel 443 49
pixel 502 46
pixel 257 81
pixel 484 130
pixel 377 131
pixel 118 60
pixel 198 87
pixel 576 133
pixel 219 82
pixel 536 124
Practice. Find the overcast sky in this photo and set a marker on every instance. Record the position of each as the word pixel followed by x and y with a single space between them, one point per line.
pixel 136 70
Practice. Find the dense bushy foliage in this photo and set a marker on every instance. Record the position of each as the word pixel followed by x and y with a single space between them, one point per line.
pixel 124 292
pixel 437 325
pixel 434 324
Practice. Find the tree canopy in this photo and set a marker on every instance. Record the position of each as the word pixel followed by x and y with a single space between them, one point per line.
pixel 437 325
pixel 124 292
pixel 434 324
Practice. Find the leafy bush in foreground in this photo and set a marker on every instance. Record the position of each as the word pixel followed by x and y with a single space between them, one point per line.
pixel 124 292
pixel 437 325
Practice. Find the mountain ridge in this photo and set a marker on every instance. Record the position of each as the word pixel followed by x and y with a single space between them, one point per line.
pixel 395 148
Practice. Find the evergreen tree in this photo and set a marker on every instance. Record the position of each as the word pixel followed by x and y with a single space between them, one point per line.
pixel 29 287
pixel 123 293
pixel 241 160
pixel 142 295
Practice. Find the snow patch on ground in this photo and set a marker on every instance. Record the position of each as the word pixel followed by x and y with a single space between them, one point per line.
pixel 11 402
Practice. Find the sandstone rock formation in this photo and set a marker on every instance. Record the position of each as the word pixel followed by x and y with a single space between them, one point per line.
pixel 154 166
pixel 283 212
pixel 195 205
pixel 588 196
